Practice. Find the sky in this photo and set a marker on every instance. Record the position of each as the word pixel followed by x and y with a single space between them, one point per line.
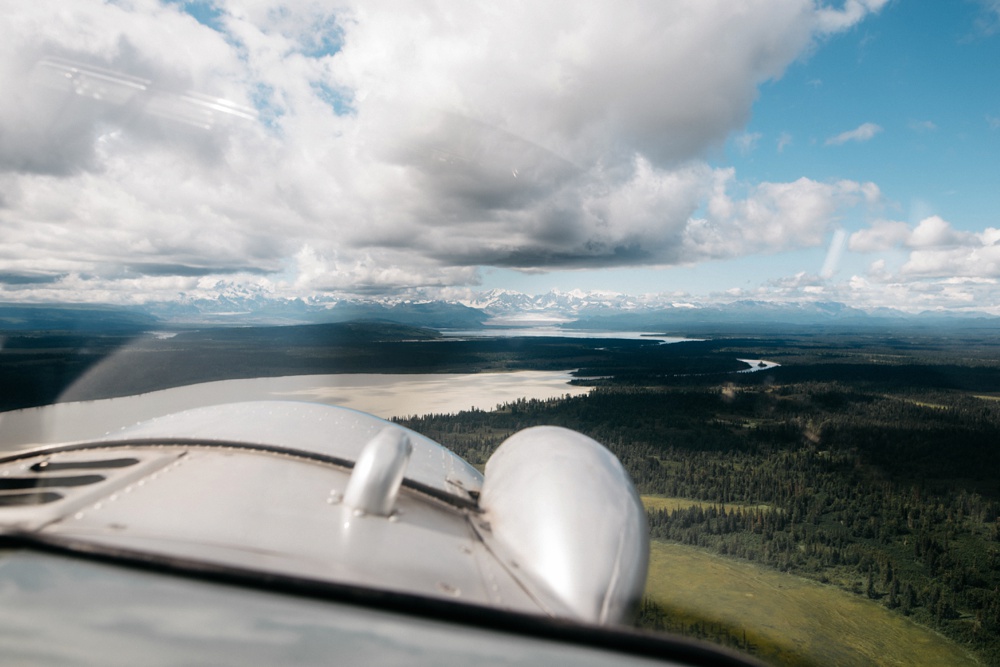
pixel 788 150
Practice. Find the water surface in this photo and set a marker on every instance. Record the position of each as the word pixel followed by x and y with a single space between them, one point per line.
pixel 557 332
pixel 384 395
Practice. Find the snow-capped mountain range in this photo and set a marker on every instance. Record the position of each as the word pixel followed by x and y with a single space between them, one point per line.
pixel 498 307
pixel 243 305
pixel 559 306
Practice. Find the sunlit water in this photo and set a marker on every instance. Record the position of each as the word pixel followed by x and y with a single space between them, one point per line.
pixel 558 332
pixel 384 395
pixel 757 365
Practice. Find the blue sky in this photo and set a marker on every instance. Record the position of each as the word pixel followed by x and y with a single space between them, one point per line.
pixel 924 73
pixel 705 150
pixel 921 71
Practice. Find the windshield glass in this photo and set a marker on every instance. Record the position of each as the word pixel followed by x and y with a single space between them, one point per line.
pixel 750 247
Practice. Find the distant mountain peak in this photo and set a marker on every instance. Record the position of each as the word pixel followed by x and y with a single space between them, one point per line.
pixel 260 303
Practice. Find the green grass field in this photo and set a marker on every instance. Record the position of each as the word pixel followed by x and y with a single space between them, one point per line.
pixel 787 619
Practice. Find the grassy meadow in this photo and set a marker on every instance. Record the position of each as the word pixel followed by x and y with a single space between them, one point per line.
pixel 784 619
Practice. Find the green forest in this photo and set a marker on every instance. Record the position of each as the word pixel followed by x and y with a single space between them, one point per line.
pixel 871 468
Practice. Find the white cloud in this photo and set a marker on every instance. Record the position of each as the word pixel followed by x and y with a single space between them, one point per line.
pixel 882 235
pixel 772 218
pixel 980 262
pixel 922 126
pixel 988 22
pixel 926 266
pixel 880 287
pixel 935 232
pixel 932 232
pixel 862 133
pixel 747 142
pixel 784 140
pixel 940 266
pixel 393 146
pixel 916 294
pixel 852 11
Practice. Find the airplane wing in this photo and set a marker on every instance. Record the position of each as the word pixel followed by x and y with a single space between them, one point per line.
pixel 319 503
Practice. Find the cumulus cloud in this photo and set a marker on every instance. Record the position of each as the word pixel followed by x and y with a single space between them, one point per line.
pixel 772 217
pixel 879 288
pixel 936 232
pixel 975 262
pixel 882 235
pixel 862 133
pixel 941 266
pixel 883 289
pixel 358 147
pixel 932 232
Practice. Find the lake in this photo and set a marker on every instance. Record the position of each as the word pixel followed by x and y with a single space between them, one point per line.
pixel 558 332
pixel 384 395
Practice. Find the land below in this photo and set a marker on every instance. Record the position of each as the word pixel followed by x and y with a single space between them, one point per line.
pixel 865 464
